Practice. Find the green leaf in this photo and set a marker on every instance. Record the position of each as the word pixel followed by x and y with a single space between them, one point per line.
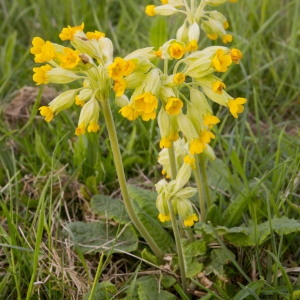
pixel 103 290
pixel 150 257
pixel 145 199
pixel 219 258
pixel 167 281
pixel 111 208
pixel 249 290
pixel 148 290
pixel 158 32
pixel 191 251
pixel 98 237
pixel 213 215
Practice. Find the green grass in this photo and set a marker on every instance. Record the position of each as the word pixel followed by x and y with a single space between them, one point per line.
pixel 48 175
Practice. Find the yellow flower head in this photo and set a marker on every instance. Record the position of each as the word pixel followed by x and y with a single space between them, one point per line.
pixel 129 112
pixel 192 46
pixel 212 36
pixel 40 75
pixel 129 67
pixel 221 61
pixel 179 78
pixel 145 103
pixel 218 86
pixel 158 53
pixel 79 102
pixel 164 218
pixel 190 220
pixel 47 112
pixel 226 24
pixel 196 146
pixel 227 38
pixel 176 50
pixel 68 33
pixel 116 69
pixel 190 160
pixel 93 127
pixel 173 107
pixel 210 120
pixel 165 143
pixel 206 136
pixel 119 87
pixel 43 51
pixel 80 129
pixel 69 59
pixel 150 10
pixel 174 136
pixel 164 1
pixel 236 106
pixel 95 35
pixel 236 55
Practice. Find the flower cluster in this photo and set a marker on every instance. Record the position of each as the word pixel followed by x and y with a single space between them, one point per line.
pixel 213 23
pixel 175 193
pixel 86 61
pixel 154 90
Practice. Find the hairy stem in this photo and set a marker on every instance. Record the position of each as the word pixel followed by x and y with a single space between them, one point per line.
pixel 122 180
pixel 198 178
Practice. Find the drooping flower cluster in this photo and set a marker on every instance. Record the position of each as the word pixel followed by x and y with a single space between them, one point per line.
pixel 87 61
pixel 213 23
pixel 175 193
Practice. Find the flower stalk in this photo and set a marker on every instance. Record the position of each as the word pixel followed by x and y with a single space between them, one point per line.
pixel 199 183
pixel 122 180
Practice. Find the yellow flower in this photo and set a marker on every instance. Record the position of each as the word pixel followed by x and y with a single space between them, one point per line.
pixel 119 87
pixel 179 78
pixel 174 136
pixel 129 67
pixel 227 38
pixel 176 50
pixel 158 53
pixel 145 103
pixel 205 136
pixel 40 75
pixel 233 0
pixel 116 69
pixel 165 143
pixel 150 10
pixel 210 120
pixel 190 161
pixel 69 59
pixel 164 218
pixel 192 46
pixel 173 107
pixel 78 101
pixel 43 51
pixel 226 24
pixel 213 36
pixel 68 33
pixel 236 55
pixel 46 112
pixel 236 106
pixel 190 220
pixel 129 112
pixel 93 127
pixel 95 35
pixel 164 1
pixel 218 86
pixel 80 129
pixel 196 147
pixel 221 61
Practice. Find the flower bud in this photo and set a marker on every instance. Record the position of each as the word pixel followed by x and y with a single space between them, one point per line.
pixel 194 32
pixel 182 33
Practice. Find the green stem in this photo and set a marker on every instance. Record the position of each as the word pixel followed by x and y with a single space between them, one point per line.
pixel 197 174
pixel 174 223
pixel 122 180
pixel 204 175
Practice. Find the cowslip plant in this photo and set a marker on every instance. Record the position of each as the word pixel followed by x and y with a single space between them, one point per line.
pixel 177 98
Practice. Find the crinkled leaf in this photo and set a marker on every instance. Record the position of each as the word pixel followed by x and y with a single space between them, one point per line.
pixel 219 258
pixel 149 256
pixel 191 251
pixel 102 290
pixel 213 215
pixel 285 225
pixel 167 281
pixel 162 238
pixel 99 237
pixel 145 199
pixel 111 208
pixel 148 290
